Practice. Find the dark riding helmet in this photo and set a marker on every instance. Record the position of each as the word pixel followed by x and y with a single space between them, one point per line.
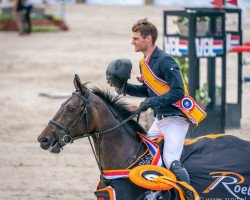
pixel 118 72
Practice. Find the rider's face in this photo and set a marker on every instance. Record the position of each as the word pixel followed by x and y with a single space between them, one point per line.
pixel 140 44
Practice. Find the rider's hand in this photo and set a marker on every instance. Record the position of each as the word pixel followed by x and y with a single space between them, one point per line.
pixel 146 104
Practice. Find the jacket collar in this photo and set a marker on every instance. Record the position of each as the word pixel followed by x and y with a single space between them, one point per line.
pixel 154 56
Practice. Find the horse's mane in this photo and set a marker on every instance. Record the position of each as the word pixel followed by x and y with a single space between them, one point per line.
pixel 119 106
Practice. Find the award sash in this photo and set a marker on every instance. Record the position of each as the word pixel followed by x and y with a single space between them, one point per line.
pixel 187 104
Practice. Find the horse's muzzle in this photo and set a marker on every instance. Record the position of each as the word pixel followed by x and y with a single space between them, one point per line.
pixel 55 148
pixel 48 142
pixel 44 142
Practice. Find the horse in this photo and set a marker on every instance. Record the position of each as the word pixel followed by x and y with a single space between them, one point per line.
pixel 106 120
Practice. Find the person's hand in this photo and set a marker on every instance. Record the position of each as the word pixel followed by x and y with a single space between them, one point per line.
pixel 139 78
pixel 145 105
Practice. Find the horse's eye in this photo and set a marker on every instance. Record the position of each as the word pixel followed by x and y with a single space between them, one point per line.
pixel 71 109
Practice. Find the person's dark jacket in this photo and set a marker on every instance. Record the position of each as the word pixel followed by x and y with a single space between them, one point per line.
pixel 166 68
pixel 20 5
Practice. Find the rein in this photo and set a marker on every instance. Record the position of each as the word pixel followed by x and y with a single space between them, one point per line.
pixel 97 134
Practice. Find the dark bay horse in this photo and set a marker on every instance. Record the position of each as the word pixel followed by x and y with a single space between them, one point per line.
pixel 89 113
pixel 218 166
pixel 94 113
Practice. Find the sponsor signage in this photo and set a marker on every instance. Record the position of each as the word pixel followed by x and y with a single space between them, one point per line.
pixel 208 47
pixel 232 40
pixel 231 182
pixel 175 46
pixel 205 46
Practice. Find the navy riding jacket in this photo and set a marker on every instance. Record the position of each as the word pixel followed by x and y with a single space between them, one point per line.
pixel 166 68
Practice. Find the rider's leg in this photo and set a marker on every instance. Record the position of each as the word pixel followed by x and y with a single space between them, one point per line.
pixel 182 175
pixel 153 132
pixel 179 171
pixel 174 130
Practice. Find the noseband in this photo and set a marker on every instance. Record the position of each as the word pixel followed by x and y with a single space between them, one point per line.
pixel 68 137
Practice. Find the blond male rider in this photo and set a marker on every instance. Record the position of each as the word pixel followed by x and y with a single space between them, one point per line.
pixel 169 121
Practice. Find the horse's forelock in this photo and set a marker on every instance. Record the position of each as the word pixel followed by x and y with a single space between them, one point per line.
pixel 84 89
pixel 85 85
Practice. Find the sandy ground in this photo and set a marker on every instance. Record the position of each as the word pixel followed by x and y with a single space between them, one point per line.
pixel 47 62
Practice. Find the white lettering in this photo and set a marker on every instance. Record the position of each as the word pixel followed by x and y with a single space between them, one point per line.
pixel 198 48
pixel 226 183
pixel 204 47
pixel 244 190
pixel 237 189
pixel 234 181
pixel 218 181
pixel 172 46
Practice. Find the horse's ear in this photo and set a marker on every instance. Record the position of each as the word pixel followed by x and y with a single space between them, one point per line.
pixel 77 83
pixel 79 86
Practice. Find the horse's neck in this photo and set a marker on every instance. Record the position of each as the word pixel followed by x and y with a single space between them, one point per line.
pixel 116 149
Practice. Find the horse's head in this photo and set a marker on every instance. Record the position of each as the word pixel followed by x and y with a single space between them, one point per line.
pixel 65 124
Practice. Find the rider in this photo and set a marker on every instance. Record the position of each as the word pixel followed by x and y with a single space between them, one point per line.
pixel 169 121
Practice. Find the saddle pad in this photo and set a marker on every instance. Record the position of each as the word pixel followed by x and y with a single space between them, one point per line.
pixel 219 167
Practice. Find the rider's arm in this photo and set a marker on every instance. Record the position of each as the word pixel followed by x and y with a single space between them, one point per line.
pixel 136 90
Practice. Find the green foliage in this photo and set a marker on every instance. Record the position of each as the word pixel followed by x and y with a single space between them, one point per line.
pixel 183 63
pixel 201 95
pixel 181 20
pixel 55 19
pixel 6 17
pixel 57 23
pixel 202 19
pixel 184 20
pixel 38 17
pixel 43 28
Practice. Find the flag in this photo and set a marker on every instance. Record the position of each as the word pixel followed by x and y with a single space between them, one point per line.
pixel 218 3
pixel 233 2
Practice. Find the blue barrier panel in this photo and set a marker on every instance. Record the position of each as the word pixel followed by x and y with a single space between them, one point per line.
pixel 246 79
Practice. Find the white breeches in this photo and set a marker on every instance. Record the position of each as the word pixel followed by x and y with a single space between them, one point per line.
pixel 174 130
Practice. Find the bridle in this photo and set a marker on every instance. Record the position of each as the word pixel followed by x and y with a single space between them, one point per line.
pixel 69 128
pixel 68 138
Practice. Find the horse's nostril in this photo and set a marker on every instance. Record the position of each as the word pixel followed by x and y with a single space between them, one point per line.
pixel 44 140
